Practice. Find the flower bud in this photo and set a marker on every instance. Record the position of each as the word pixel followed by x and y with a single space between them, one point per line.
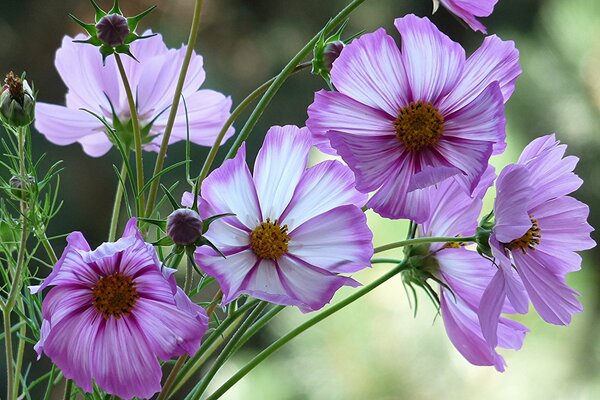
pixel 18 185
pixel 331 52
pixel 17 103
pixel 184 226
pixel 113 29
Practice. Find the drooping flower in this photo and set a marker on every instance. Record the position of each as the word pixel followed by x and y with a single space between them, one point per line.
pixel 112 312
pixel 462 274
pixel 469 10
pixel 295 229
pixel 97 88
pixel 538 230
pixel 406 120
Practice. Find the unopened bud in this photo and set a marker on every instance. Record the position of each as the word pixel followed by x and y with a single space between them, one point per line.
pixel 184 226
pixel 17 103
pixel 113 29
pixel 19 185
pixel 331 52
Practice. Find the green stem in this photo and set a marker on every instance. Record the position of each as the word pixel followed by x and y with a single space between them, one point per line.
pixel 285 73
pixel 234 116
pixel 9 355
pixel 46 243
pixel 20 354
pixel 50 383
pixel 226 352
pixel 257 326
pixel 68 390
pixel 410 242
pixel 116 211
pixel 297 331
pixel 137 135
pixel 162 153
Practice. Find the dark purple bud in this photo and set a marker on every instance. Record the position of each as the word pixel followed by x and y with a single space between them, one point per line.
pixel 184 226
pixel 113 29
pixel 331 53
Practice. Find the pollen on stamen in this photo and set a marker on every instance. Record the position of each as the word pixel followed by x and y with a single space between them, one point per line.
pixel 115 295
pixel 269 240
pixel 529 240
pixel 419 125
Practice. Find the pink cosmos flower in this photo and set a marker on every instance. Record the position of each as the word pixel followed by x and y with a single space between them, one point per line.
pixel 464 274
pixel 295 229
pixel 112 312
pixel 99 89
pixel 407 120
pixel 469 10
pixel 537 233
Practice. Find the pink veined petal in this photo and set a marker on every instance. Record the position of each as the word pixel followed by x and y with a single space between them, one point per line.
pixel 312 287
pixel 73 354
pixel 96 145
pixel 123 364
pixel 170 331
pixel 230 272
pixel 513 193
pixel 370 70
pixel 336 111
pixel 465 334
pixel 513 286
pixel 230 189
pixel 554 301
pixel 63 126
pixel 66 300
pixel 265 282
pixel 280 164
pixel 539 146
pixel 494 61
pixel 90 83
pixel 492 300
pixel 431 175
pixel 373 159
pixel 433 62
pixel 511 334
pixel 467 11
pixel 223 234
pixel 480 120
pixel 336 241
pixel 144 51
pixel 207 112
pixel 323 187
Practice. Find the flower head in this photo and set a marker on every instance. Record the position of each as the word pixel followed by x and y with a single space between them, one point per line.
pixel 538 230
pixel 96 88
pixel 112 312
pixel 407 120
pixel 17 101
pixel 294 230
pixel 469 10
pixel 462 274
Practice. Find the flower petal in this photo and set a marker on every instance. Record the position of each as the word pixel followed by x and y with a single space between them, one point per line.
pixel 513 193
pixel 63 126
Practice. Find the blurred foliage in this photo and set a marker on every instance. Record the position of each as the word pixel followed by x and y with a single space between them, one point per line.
pixel 376 349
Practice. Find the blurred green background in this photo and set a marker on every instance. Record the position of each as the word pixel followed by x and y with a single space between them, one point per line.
pixel 374 349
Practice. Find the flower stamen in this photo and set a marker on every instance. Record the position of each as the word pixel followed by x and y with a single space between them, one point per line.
pixel 269 240
pixel 419 125
pixel 529 240
pixel 115 295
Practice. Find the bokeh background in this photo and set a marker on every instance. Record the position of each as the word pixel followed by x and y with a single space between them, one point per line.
pixel 374 349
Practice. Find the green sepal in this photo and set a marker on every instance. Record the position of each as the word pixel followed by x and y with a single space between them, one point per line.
pixel 115 8
pixel 99 12
pixel 161 224
pixel 170 197
pixel 206 223
pixel 163 241
pixel 106 51
pixel 133 22
pixel 89 28
pixel 205 242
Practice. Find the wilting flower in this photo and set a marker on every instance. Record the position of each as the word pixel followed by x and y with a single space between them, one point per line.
pixel 112 312
pixel 294 230
pixel 99 89
pixel 462 274
pixel 469 10
pixel 404 121
pixel 17 101
pixel 538 229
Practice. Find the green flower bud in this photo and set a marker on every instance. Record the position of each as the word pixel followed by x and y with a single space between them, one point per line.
pixel 17 102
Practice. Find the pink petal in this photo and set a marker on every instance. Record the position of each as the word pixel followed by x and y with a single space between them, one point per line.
pixel 513 193
pixel 63 126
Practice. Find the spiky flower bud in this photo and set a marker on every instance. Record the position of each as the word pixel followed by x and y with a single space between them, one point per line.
pixel 17 102
pixel 113 29
pixel 184 226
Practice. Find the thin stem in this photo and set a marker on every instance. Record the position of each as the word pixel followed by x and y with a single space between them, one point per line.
pixel 285 73
pixel 258 325
pixel 171 378
pixel 20 354
pixel 162 153
pixel 9 354
pixel 116 211
pixel 234 115
pixel 410 242
pixel 46 243
pixel 68 390
pixel 213 304
pixel 297 331
pixel 225 353
pixel 50 383
pixel 137 135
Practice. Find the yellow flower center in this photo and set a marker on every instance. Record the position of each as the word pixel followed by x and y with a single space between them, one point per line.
pixel 419 125
pixel 529 240
pixel 269 240
pixel 115 295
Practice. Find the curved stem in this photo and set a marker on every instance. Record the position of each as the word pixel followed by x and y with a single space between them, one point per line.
pixel 137 136
pixel 225 353
pixel 116 211
pixel 410 242
pixel 162 153
pixel 9 354
pixel 68 389
pixel 210 158
pixel 46 243
pixel 285 73
pixel 295 332
pixel 258 325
